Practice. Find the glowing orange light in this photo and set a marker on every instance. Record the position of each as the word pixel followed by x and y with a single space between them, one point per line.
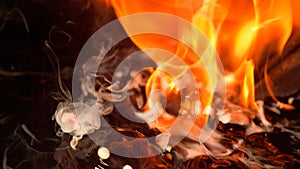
pixel 241 31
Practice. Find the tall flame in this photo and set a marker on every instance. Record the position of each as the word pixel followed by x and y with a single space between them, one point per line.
pixel 245 33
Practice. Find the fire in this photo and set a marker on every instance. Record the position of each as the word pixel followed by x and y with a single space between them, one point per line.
pixel 243 80
pixel 245 34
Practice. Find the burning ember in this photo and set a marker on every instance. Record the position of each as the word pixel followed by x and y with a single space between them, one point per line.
pixel 193 89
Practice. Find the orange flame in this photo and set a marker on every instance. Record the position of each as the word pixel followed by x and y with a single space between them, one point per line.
pixel 241 31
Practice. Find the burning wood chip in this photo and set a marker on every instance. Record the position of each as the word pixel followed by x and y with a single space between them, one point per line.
pixel 261 113
pixel 235 117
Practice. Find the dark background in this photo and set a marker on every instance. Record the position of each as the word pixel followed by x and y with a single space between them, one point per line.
pixel 28 71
